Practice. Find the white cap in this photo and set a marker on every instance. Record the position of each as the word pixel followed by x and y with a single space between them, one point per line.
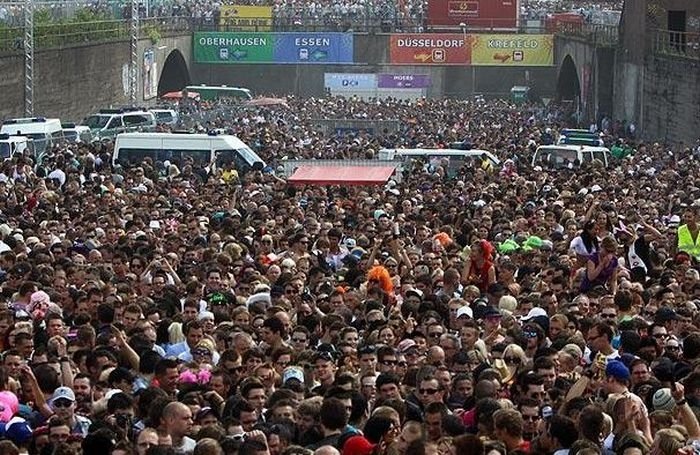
pixel 537 311
pixel 465 310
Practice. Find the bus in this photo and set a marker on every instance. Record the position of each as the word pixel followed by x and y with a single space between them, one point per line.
pixel 455 158
pixel 579 137
pixel 205 150
pixel 568 156
pixel 215 92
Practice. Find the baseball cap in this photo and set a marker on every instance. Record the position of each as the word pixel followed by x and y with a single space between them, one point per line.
pixel 417 292
pixel 357 445
pixel 18 430
pixel 205 411
pixel 617 370
pixel 665 314
pixel 533 313
pixel 63 392
pixel 406 345
pixel 465 311
pixel 292 373
pixel 491 312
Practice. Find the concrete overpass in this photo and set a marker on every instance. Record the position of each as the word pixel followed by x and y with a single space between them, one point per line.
pixel 73 81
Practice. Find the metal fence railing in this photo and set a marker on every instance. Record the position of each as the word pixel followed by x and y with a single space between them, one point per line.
pixel 58 35
pixel 679 44
pixel 601 34
pixel 49 34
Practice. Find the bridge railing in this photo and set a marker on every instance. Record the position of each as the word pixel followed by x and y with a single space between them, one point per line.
pixel 596 33
pixel 679 44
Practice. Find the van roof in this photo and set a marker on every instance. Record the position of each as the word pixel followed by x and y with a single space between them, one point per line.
pixel 31 125
pixel 585 148
pixel 440 152
pixel 179 136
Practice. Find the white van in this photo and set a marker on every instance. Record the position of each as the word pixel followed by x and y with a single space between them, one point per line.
pixel 168 117
pixel 12 145
pixel 130 149
pixel 562 156
pixel 76 133
pixel 109 122
pixel 43 131
pixel 455 158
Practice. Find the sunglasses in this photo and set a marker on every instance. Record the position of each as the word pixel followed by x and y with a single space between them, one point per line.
pixel 435 335
pixel 427 391
pixel 201 352
pixel 389 362
pixel 298 340
pixel 62 403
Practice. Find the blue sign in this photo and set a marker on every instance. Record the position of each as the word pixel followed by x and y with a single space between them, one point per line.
pixel 350 81
pixel 318 48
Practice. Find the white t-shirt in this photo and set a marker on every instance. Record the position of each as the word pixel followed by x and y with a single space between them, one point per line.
pixel 186 447
pixel 579 247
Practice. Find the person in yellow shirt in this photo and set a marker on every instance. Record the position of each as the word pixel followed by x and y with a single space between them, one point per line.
pixel 688 240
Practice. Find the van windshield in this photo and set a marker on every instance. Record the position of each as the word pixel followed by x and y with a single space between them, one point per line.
pixel 557 158
pixel 96 121
pixel 164 116
pixel 134 157
pixel 70 135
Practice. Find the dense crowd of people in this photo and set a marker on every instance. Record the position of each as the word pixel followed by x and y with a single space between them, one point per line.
pixel 172 308
pixel 288 15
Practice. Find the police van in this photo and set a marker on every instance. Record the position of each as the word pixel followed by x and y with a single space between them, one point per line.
pixel 107 123
pixel 204 150
pixel 76 133
pixel 13 145
pixel 44 132
pixel 569 156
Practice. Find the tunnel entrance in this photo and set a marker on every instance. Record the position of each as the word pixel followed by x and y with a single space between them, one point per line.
pixel 569 88
pixel 175 75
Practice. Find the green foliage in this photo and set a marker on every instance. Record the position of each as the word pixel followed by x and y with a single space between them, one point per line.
pixel 153 33
pixel 82 27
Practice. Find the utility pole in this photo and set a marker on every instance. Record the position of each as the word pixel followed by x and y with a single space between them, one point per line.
pixel 134 64
pixel 29 58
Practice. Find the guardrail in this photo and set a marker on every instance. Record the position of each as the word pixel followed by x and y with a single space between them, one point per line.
pixel 678 44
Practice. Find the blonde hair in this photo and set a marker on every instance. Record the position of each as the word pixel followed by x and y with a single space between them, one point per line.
pixel 517 351
pixel 668 441
pixel 175 333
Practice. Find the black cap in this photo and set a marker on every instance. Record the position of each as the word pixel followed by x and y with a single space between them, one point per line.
pixel 665 314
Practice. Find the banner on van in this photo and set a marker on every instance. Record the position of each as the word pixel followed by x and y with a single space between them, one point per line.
pixel 247 18
pixel 512 50
pixel 291 48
